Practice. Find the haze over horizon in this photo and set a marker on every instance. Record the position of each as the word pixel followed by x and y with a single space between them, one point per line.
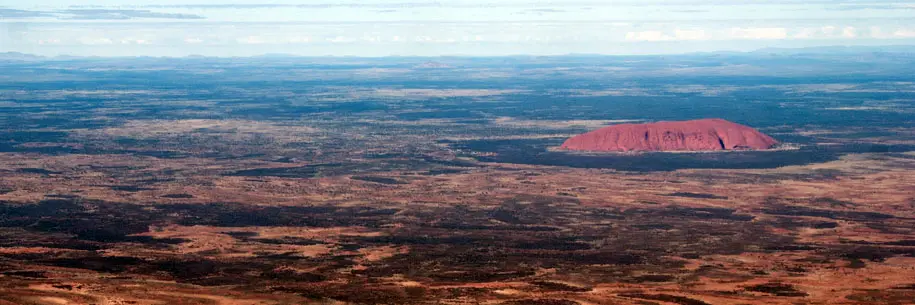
pixel 430 28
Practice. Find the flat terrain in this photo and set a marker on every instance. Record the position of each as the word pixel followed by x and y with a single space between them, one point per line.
pixel 358 181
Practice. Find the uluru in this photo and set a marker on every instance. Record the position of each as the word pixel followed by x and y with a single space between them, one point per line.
pixel 694 135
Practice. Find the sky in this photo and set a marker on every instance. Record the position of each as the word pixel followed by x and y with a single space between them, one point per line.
pixel 443 28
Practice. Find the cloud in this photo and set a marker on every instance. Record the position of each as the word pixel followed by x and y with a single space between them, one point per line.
pixel 678 34
pixel 648 36
pixel 135 41
pixel 541 11
pixel 898 33
pixel 849 32
pixel 93 14
pixel 95 41
pixel 315 5
pixel 904 33
pixel 212 6
pixel 833 32
pixel 758 33
pixel 251 40
pixel 752 33
pixel 691 34
pixel 857 7
pixel 806 33
pixel 104 14
pixel 12 13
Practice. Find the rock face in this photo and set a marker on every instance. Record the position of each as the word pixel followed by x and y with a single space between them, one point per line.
pixel 696 135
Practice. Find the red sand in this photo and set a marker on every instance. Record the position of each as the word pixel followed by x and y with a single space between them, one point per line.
pixel 696 135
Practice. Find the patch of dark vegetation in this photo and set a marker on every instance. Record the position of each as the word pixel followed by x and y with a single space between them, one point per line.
pixel 458 292
pixel 825 225
pixel 153 180
pixel 283 172
pixel 376 212
pixel 653 278
pixel 33 136
pixel 6 191
pixel 874 254
pixel 793 223
pixel 26 274
pixel 701 213
pixel 449 163
pixel 540 302
pixel 162 154
pixel 530 209
pixel 109 222
pixel 239 215
pixel 350 247
pixel 178 196
pixel 905 287
pixel 787 210
pixel 899 226
pixel 792 247
pixel 287 256
pixel 359 292
pixel 835 203
pixel 856 263
pixel 210 273
pixel 218 280
pixel 505 216
pixel 428 240
pixel 471 276
pixel 86 219
pixel 111 264
pixel 130 188
pixel 110 230
pixel 553 245
pixel 873 296
pixel 904 242
pixel 664 298
pixel 445 171
pixel 294 276
pixel 63 286
pixel 39 171
pixel 288 241
pixel 600 258
pixel 558 286
pixel 53 242
pixel 460 226
pixel 653 226
pixel 242 235
pixel 382 180
pixel 696 195
pixel 414 164
pixel 778 289
pixel 440 114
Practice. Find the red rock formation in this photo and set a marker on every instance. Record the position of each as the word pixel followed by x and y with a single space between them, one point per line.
pixel 696 135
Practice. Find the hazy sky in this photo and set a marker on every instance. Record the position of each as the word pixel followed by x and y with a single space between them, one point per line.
pixel 431 28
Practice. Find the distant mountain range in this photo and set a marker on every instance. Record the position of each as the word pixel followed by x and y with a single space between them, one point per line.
pixel 827 50
pixel 839 50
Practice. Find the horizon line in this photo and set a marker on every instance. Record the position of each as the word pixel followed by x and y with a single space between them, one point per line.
pixel 863 48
